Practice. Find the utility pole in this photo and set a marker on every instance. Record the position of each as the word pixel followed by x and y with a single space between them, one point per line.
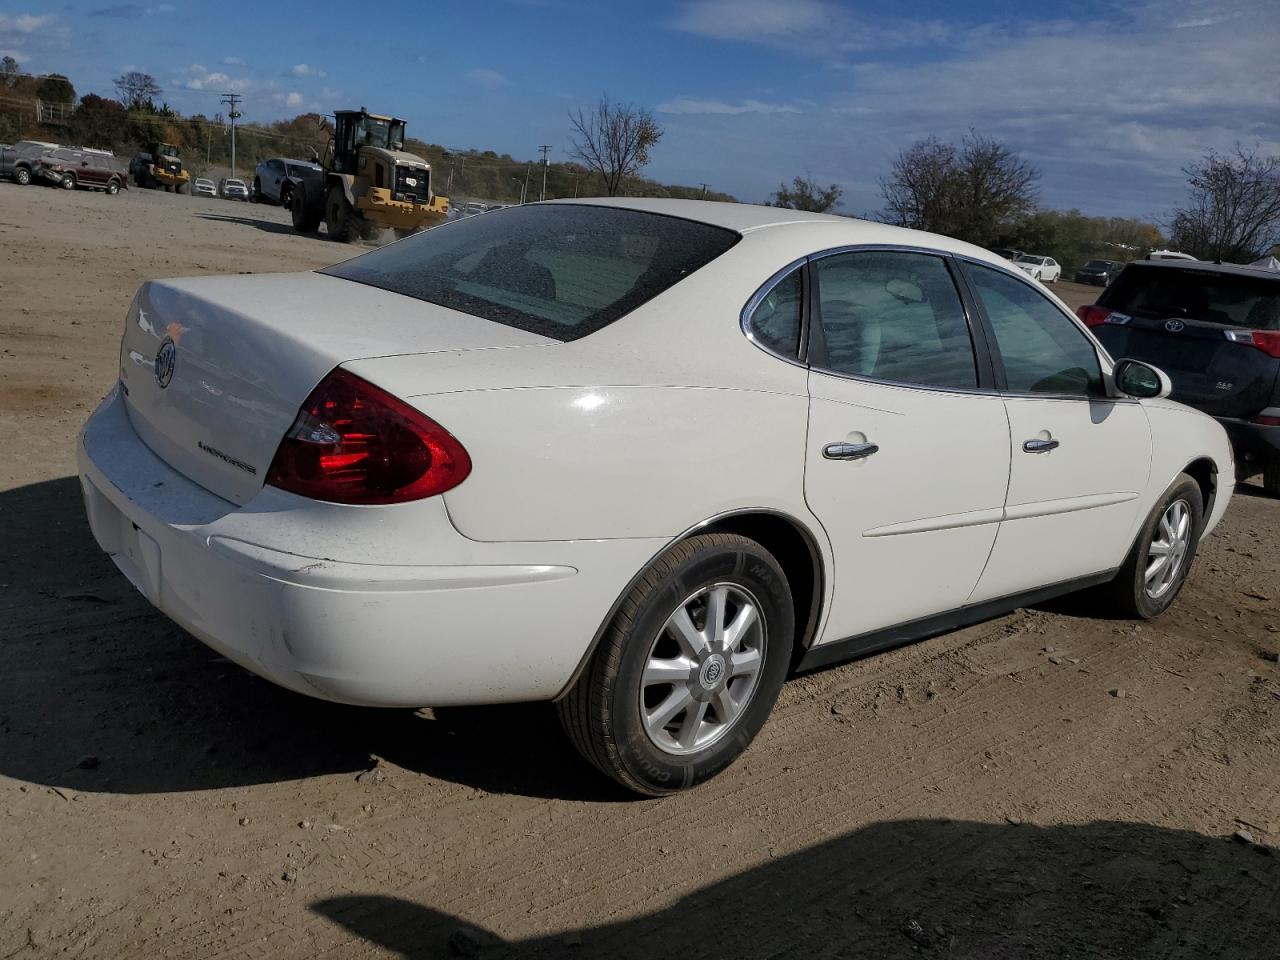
pixel 545 148
pixel 232 100
pixel 525 191
pixel 704 189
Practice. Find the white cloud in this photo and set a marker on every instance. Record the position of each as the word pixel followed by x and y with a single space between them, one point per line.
pixel 484 77
pixel 813 27
pixel 197 77
pixel 306 70
pixel 693 105
pixel 23 23
pixel 292 99
pixel 1110 111
pixel 233 62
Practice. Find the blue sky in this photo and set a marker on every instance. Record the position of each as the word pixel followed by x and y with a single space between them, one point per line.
pixel 1109 99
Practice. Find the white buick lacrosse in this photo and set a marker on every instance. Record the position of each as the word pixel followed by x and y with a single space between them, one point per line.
pixel 643 458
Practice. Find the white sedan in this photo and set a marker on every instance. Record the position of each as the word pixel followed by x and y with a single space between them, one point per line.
pixel 1044 269
pixel 644 458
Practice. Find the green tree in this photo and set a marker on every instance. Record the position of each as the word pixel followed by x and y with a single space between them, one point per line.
pixel 805 194
pixel 99 122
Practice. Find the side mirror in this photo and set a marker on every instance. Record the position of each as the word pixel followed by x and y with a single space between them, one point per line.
pixel 1137 379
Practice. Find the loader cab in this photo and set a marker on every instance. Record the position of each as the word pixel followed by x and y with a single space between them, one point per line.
pixel 354 129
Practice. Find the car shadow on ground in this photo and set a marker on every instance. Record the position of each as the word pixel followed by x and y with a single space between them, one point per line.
pixel 267 226
pixel 914 888
pixel 90 673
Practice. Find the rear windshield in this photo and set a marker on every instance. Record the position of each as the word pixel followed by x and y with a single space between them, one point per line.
pixel 1227 298
pixel 562 271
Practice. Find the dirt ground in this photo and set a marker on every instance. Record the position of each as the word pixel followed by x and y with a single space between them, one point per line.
pixel 983 794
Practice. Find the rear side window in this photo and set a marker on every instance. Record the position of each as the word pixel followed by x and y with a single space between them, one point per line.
pixel 775 322
pixel 894 316
pixel 1042 349
pixel 1226 298
pixel 563 271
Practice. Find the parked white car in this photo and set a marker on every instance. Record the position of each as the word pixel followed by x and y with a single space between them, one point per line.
pixel 203 187
pixel 1044 269
pixel 232 189
pixel 641 457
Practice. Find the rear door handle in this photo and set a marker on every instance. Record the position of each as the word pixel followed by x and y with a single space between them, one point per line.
pixel 849 451
pixel 1039 446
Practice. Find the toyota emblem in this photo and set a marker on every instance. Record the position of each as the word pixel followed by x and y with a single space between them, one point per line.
pixel 166 357
pixel 1174 326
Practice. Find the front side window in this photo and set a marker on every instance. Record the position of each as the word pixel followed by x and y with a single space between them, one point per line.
pixel 775 322
pixel 894 316
pixel 562 270
pixel 1042 349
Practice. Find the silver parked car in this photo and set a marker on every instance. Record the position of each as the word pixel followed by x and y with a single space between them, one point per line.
pixel 203 187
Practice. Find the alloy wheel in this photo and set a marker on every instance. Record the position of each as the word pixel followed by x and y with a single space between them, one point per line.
pixel 702 669
pixel 1168 550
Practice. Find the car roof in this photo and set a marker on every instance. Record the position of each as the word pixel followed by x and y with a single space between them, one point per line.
pixel 1208 266
pixel 750 218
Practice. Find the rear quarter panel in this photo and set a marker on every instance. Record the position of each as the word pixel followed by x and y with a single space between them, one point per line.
pixel 601 462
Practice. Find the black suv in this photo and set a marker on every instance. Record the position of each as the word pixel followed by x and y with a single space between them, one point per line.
pixel 1214 328
pixel 1099 273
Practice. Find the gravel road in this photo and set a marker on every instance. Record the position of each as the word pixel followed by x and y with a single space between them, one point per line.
pixel 1054 783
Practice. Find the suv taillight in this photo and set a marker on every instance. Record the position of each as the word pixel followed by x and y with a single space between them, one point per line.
pixel 353 442
pixel 1093 315
pixel 1268 341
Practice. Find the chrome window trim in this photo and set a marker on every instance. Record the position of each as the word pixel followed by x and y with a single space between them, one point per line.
pixel 1105 361
pixel 744 318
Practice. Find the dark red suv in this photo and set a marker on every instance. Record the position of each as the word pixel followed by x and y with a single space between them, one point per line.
pixel 1214 328
pixel 70 168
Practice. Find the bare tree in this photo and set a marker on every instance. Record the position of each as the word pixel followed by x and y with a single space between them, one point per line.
pixel 1233 211
pixel 805 194
pixel 614 140
pixel 973 191
pixel 136 88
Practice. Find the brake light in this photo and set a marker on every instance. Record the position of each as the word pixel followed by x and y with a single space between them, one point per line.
pixel 1268 341
pixel 353 442
pixel 1093 315
pixel 1267 420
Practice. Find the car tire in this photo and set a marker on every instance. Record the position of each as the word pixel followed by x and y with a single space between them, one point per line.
pixel 112 188
pixel 619 712
pixel 1172 530
pixel 1271 476
pixel 21 176
pixel 68 182
pixel 305 216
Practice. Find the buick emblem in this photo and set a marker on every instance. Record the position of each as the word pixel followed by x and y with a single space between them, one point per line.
pixel 712 671
pixel 166 357
pixel 1174 326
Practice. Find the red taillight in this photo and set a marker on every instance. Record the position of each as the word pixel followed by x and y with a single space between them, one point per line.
pixel 1266 420
pixel 1268 341
pixel 1093 315
pixel 355 443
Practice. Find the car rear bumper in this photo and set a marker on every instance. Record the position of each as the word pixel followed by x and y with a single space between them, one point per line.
pixel 1252 441
pixel 464 623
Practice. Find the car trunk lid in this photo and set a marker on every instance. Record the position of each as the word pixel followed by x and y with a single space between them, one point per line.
pixel 214 370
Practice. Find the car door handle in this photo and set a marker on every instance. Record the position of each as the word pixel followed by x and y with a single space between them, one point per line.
pixel 1039 446
pixel 849 451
